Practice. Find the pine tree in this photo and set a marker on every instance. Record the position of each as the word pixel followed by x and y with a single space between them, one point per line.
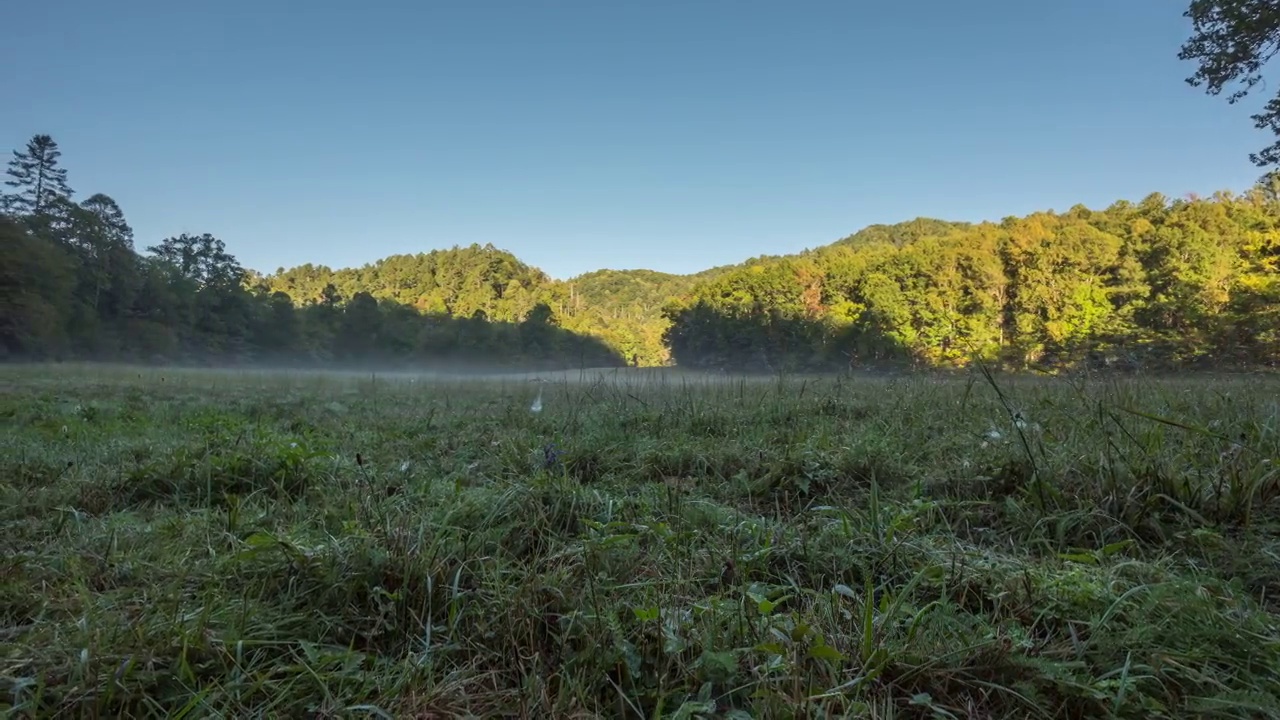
pixel 38 179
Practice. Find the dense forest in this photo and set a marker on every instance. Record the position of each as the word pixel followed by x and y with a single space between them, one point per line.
pixel 72 286
pixel 1162 283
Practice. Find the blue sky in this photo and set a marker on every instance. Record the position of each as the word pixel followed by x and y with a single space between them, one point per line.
pixel 579 134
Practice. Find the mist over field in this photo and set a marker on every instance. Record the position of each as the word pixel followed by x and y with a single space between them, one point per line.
pixel 614 541
pixel 941 382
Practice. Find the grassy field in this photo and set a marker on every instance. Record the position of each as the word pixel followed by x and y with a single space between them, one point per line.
pixel 649 545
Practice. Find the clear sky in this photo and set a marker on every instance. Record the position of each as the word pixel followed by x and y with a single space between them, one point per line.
pixel 578 134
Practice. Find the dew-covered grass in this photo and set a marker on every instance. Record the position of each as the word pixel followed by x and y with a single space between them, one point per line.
pixel 649 545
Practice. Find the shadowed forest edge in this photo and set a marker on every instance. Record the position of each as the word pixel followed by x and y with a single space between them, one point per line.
pixel 1161 284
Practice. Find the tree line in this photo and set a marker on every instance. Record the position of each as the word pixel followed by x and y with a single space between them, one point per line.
pixel 1186 283
pixel 73 286
pixel 1183 283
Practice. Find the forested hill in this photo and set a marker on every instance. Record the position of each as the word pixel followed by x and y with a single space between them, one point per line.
pixel 1170 283
pixel 621 308
pixel 72 285
pixel 903 233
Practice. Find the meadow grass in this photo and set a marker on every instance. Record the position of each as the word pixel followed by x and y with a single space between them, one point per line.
pixel 650 545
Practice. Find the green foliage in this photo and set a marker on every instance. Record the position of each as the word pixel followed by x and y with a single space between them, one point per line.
pixel 624 308
pixel 1158 285
pixel 901 234
pixel 72 286
pixel 1231 42
pixel 272 544
pixel 35 284
pixel 459 282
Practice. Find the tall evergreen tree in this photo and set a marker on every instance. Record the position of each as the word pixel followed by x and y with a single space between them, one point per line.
pixel 35 174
